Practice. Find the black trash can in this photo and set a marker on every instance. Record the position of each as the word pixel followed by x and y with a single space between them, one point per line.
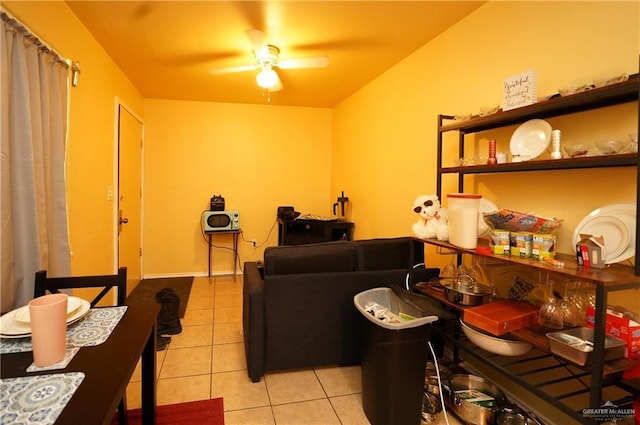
pixel 394 357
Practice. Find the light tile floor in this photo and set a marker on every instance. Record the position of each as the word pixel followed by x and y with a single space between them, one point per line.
pixel 207 360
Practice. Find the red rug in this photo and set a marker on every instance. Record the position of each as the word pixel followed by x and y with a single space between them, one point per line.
pixel 204 412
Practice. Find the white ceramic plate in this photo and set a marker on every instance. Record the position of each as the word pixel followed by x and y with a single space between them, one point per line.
pixel 531 139
pixel 22 314
pixel 11 328
pixel 486 206
pixel 617 224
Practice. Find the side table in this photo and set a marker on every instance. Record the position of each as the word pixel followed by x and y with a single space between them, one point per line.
pixel 235 234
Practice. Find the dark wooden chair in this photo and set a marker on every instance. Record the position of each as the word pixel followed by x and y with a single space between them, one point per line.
pixel 46 284
pixel 118 281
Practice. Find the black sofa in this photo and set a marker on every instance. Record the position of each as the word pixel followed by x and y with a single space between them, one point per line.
pixel 298 310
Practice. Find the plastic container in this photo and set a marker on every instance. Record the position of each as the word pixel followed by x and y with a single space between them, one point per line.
pixel 394 356
pixel 463 219
pixel 48 315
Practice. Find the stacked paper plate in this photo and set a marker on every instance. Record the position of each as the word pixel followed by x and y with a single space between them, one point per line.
pixel 17 323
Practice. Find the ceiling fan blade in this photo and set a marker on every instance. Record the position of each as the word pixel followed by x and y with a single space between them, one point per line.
pixel 313 62
pixel 258 43
pixel 242 68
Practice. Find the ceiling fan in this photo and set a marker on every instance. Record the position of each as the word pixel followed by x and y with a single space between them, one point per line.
pixel 267 57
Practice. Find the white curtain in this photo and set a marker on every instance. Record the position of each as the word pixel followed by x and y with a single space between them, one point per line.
pixel 33 227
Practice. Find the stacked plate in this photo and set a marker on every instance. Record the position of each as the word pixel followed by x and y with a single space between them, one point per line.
pixel 616 223
pixel 17 323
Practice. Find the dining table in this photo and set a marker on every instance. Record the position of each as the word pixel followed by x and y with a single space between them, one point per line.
pixel 107 369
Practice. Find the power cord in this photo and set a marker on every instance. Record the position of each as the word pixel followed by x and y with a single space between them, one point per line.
pixel 406 280
pixel 435 361
pixel 255 244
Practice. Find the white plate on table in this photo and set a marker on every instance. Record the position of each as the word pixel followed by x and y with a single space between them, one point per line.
pixel 12 328
pixel 530 139
pixel 22 314
pixel 616 223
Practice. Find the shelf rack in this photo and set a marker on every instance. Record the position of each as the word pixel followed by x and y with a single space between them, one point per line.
pixel 613 278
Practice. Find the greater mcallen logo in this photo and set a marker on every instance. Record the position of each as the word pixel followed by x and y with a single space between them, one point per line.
pixel 608 411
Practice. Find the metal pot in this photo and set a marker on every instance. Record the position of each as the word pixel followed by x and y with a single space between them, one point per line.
pixel 510 417
pixel 466 291
pixel 475 413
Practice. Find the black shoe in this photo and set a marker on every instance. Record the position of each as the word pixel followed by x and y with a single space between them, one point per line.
pixel 169 316
pixel 162 342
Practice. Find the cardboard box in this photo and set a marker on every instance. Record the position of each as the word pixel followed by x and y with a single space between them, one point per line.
pixel 590 251
pixel 620 326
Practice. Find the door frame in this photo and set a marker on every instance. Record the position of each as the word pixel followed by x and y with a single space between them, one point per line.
pixel 119 103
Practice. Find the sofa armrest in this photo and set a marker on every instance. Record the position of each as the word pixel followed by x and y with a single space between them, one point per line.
pixel 253 320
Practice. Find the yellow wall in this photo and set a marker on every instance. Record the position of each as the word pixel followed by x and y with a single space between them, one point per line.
pixel 90 147
pixel 258 157
pixel 378 146
pixel 385 135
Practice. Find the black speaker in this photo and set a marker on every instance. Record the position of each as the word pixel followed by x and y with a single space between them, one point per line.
pixel 217 203
pixel 287 213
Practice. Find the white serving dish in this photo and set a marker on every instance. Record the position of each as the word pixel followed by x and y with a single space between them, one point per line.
pixel 501 346
pixel 530 139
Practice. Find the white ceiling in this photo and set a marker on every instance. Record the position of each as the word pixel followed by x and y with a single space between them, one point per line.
pixel 167 48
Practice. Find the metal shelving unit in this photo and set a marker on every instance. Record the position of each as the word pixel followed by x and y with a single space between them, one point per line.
pixel 600 375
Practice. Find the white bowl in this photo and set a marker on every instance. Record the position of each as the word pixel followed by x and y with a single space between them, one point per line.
pixel 503 347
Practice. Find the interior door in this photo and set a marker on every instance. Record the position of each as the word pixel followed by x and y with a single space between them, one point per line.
pixel 130 133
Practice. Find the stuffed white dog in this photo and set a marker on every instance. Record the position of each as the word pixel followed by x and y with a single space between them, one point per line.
pixel 432 221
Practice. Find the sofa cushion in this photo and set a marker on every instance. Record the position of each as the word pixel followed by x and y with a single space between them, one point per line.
pixel 338 256
pixel 389 253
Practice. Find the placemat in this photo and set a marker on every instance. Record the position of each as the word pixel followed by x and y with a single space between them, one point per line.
pixel 37 399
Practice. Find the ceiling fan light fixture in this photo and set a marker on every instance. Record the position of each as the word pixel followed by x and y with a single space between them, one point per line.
pixel 267 78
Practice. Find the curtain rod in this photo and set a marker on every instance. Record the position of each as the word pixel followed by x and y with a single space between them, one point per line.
pixel 19 26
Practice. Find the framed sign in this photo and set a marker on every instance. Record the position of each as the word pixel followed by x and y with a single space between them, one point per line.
pixel 519 90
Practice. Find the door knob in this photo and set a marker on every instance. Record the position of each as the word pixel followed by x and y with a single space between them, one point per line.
pixel 121 220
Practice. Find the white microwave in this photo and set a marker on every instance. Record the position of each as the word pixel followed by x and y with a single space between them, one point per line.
pixel 218 221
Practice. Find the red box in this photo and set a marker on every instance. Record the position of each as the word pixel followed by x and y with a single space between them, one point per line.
pixel 616 324
pixel 502 316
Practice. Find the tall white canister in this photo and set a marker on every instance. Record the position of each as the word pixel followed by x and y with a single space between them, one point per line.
pixel 463 219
